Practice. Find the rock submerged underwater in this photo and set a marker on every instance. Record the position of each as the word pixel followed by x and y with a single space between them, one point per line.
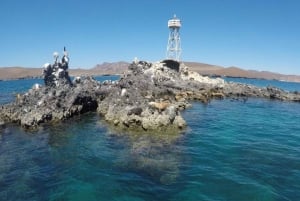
pixel 145 102
pixel 148 96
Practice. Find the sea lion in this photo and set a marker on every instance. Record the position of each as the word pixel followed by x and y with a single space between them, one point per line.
pixel 159 105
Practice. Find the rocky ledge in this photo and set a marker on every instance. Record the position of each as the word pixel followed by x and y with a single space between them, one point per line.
pixel 148 96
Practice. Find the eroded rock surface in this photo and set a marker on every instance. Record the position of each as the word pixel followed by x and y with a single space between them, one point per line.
pixel 146 103
pixel 148 96
pixel 57 74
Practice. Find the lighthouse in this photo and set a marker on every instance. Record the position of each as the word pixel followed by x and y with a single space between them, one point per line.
pixel 174 46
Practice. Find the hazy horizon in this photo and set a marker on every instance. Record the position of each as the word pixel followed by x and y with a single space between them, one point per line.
pixel 252 35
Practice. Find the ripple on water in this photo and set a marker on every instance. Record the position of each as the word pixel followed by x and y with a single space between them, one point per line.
pixel 230 151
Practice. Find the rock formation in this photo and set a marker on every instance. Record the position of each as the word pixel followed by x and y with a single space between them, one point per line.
pixel 148 96
pixel 57 74
pixel 147 99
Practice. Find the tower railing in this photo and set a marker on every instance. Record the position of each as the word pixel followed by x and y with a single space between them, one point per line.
pixel 174 43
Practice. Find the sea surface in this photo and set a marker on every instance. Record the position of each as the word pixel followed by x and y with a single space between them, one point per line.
pixel 231 151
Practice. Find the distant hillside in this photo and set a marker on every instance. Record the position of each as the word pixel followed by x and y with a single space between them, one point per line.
pixel 110 68
pixel 7 73
pixel 238 72
pixel 19 72
pixel 120 67
pixel 202 67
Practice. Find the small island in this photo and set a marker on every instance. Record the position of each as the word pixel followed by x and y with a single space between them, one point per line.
pixel 148 96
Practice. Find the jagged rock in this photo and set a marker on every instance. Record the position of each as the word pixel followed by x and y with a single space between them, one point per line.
pixel 174 65
pixel 57 74
pixel 135 111
pixel 188 75
pixel 147 100
pixel 51 104
pixel 148 97
pixel 56 101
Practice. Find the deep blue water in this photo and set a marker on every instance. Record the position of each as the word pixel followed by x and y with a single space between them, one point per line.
pixel 231 150
pixel 9 89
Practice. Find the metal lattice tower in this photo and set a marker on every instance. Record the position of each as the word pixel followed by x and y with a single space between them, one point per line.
pixel 174 46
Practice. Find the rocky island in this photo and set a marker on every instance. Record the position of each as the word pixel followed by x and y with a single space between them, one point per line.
pixel 148 96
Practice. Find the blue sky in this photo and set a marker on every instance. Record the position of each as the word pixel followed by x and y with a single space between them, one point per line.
pixel 252 34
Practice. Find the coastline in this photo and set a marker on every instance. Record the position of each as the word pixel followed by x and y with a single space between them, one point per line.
pixel 118 74
pixel 148 97
pixel 118 68
pixel 107 74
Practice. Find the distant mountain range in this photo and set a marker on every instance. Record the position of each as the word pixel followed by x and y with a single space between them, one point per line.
pixel 213 70
pixel 119 67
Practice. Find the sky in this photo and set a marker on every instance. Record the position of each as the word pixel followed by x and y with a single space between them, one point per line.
pixel 251 34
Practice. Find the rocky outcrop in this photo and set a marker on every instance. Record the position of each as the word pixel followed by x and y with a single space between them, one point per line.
pixel 58 100
pixel 148 96
pixel 139 102
pixel 146 102
pixel 50 104
pixel 57 74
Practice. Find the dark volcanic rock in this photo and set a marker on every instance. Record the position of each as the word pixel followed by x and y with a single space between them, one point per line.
pixel 46 104
pixel 56 101
pixel 146 102
pixel 148 97
pixel 135 111
pixel 174 65
pixel 57 74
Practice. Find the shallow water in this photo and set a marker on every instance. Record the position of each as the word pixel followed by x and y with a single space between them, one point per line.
pixel 231 150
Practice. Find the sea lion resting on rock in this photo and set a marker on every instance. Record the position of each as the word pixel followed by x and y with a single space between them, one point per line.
pixel 159 105
pixel 126 100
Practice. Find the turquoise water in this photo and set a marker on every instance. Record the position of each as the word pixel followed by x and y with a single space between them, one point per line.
pixel 231 150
